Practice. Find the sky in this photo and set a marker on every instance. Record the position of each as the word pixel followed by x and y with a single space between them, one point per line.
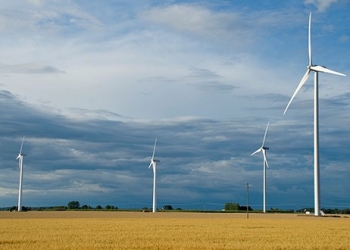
pixel 91 84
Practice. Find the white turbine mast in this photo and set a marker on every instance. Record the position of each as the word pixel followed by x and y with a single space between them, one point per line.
pixel 263 149
pixel 153 164
pixel 316 69
pixel 20 165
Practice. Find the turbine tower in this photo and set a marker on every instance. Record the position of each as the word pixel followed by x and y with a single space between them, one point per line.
pixel 316 69
pixel 263 149
pixel 153 164
pixel 20 165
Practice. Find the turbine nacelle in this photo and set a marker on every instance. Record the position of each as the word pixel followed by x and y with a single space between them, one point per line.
pixel 20 155
pixel 153 161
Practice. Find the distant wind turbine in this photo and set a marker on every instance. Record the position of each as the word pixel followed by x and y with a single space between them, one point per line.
pixel 263 150
pixel 315 69
pixel 153 164
pixel 20 165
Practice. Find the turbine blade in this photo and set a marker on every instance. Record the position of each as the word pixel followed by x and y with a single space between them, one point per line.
pixel 154 149
pixel 309 41
pixel 257 151
pixel 20 151
pixel 325 70
pixel 150 165
pixel 303 80
pixel 265 159
pixel 267 127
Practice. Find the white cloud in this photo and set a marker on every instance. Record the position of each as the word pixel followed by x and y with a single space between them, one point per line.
pixel 189 18
pixel 321 5
pixel 45 19
pixel 198 21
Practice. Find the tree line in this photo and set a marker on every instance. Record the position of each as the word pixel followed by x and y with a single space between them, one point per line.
pixel 72 205
pixel 229 206
pixel 76 205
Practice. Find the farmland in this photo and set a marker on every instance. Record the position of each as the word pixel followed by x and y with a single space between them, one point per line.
pixel 170 230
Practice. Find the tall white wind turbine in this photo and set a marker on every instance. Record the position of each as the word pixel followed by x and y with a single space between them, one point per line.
pixel 316 69
pixel 263 149
pixel 153 164
pixel 20 165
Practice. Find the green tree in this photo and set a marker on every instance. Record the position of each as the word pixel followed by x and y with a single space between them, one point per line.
pixel 231 206
pixel 84 207
pixel 244 208
pixel 167 207
pixel 73 205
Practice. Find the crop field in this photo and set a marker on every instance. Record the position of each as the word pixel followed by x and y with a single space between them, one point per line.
pixel 170 230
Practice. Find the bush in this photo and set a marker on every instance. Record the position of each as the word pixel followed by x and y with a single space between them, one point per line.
pixel 167 207
pixel 231 206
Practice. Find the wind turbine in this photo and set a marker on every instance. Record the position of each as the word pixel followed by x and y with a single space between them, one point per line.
pixel 20 165
pixel 263 150
pixel 153 164
pixel 315 69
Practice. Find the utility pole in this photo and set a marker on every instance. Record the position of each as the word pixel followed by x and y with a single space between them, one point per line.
pixel 247 200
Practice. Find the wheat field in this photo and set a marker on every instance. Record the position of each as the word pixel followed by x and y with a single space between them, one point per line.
pixel 170 230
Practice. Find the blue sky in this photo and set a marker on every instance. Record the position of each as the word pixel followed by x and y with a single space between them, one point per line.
pixel 91 84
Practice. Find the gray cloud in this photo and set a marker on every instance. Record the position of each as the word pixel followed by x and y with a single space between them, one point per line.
pixel 100 161
pixel 29 68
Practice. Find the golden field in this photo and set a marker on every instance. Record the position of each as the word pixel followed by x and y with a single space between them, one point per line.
pixel 170 230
